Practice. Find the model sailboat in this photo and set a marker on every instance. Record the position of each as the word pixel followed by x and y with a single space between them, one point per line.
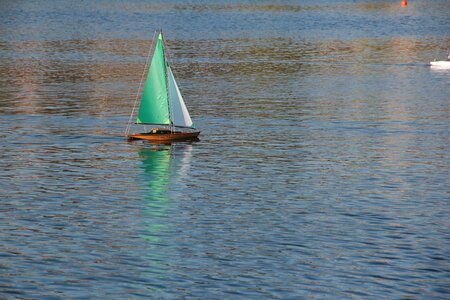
pixel 162 107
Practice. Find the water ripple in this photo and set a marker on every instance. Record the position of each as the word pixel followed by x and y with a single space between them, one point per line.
pixel 321 172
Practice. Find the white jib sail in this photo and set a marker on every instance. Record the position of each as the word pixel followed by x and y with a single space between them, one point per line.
pixel 178 111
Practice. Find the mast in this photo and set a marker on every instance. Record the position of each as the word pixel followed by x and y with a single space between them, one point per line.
pixel 167 82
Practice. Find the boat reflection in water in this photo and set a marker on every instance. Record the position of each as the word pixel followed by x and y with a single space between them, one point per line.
pixel 165 171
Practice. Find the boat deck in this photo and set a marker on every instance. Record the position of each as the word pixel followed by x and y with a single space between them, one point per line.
pixel 164 135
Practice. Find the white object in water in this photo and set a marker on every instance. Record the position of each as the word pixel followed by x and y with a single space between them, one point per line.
pixel 443 64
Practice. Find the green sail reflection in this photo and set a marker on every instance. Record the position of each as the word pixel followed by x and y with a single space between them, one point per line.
pixel 156 166
pixel 165 169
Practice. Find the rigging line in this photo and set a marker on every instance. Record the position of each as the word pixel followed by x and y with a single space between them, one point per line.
pixel 127 130
pixel 170 60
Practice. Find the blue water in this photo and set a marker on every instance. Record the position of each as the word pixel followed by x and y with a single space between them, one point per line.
pixel 322 170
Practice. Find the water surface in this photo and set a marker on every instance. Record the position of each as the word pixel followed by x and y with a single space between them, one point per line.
pixel 321 173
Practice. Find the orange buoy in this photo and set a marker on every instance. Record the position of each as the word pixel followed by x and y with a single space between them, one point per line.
pixel 404 3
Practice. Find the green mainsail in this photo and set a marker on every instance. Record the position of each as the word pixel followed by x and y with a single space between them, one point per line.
pixel 154 107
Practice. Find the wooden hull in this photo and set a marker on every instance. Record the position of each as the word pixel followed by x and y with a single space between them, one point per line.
pixel 165 137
